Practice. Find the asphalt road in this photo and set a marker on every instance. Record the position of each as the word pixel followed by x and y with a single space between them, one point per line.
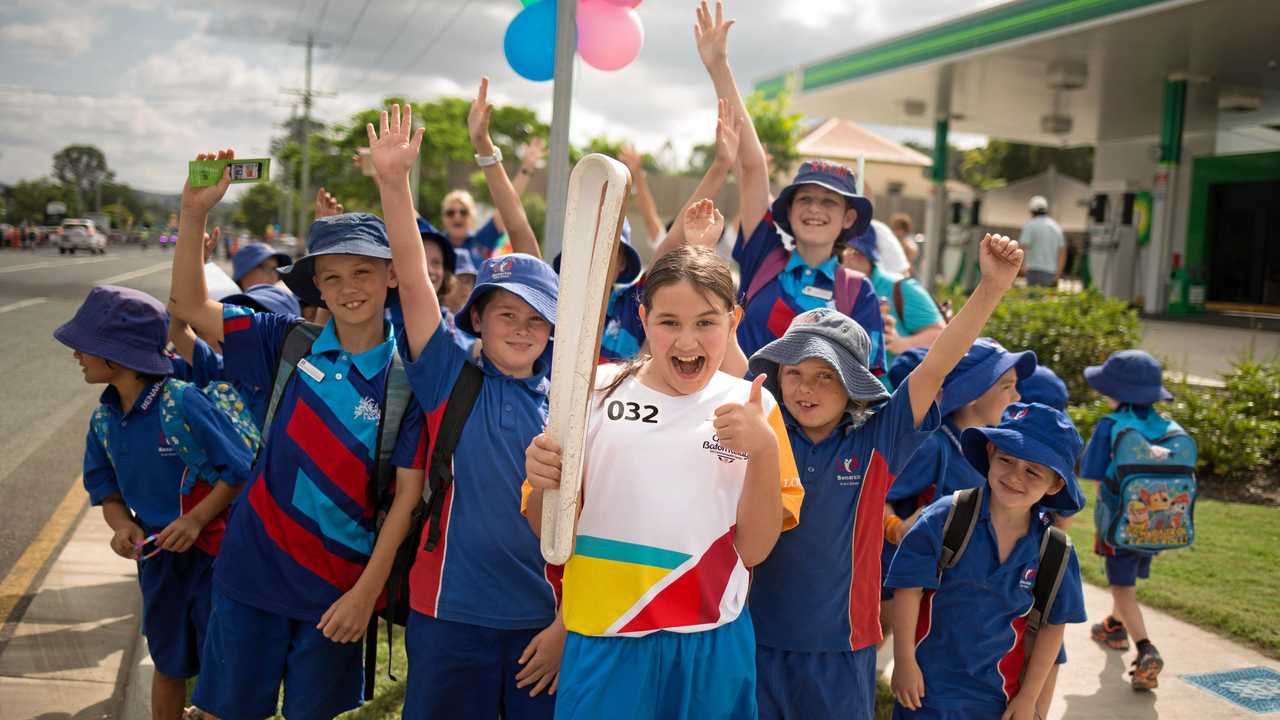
pixel 44 402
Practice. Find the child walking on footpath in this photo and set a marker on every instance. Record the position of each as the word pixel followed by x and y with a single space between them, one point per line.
pixel 688 482
pixel 815 600
pixel 302 568
pixel 1132 381
pixel 163 517
pixel 961 611
pixel 483 637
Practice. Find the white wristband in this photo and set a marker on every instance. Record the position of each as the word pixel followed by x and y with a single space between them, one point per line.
pixel 487 160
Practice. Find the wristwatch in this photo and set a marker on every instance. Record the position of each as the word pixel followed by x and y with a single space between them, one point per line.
pixel 487 160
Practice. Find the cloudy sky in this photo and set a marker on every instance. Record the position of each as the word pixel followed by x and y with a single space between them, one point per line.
pixel 151 82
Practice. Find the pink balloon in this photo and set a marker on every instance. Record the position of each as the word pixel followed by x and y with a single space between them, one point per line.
pixel 610 34
pixel 624 3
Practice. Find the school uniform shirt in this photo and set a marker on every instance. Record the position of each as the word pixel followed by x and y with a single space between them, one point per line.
pixel 819 590
pixel 623 334
pixel 654 549
pixel 969 637
pixel 918 309
pixel 206 367
pixel 140 466
pixel 302 532
pixel 483 242
pixel 797 288
pixel 487 568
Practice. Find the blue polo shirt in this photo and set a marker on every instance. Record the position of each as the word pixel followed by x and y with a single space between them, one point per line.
pixel 483 242
pixel 303 531
pixel 969 637
pixel 207 367
pixel 623 334
pixel 819 589
pixel 797 288
pixel 487 568
pixel 142 468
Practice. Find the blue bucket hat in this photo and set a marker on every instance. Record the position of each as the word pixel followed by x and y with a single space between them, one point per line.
pixel 834 177
pixel 1132 377
pixel 906 363
pixel 867 244
pixel 827 335
pixel 346 234
pixel 251 256
pixel 979 370
pixel 1044 387
pixel 464 264
pixel 431 234
pixel 126 326
pixel 525 276
pixel 266 298
pixel 1036 433
pixel 631 265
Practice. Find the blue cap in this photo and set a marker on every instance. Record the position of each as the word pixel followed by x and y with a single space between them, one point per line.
pixel 346 234
pixel 1044 387
pixel 979 370
pixel 266 298
pixel 251 256
pixel 126 326
pixel 525 276
pixel 631 265
pixel 905 363
pixel 866 243
pixel 431 234
pixel 1132 377
pixel 1035 433
pixel 834 177
pixel 464 264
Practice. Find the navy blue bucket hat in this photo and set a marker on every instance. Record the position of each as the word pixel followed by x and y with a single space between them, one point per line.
pixel 346 234
pixel 1132 377
pixel 827 335
pixel 1044 387
pixel 464 265
pixel 906 363
pixel 866 244
pixel 431 234
pixel 251 256
pixel 126 326
pixel 525 276
pixel 631 265
pixel 1036 433
pixel 266 298
pixel 979 370
pixel 834 177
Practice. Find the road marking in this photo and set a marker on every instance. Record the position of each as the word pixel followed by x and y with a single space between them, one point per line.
pixel 51 263
pixel 21 304
pixel 18 582
pixel 134 274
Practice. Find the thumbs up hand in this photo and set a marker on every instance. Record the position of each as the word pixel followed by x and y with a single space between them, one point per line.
pixel 743 427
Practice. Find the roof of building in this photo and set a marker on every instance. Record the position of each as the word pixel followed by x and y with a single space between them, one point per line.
pixel 840 139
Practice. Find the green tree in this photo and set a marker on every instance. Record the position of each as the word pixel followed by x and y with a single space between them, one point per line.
pixel 29 198
pixel 121 218
pixel 778 128
pixel 260 206
pixel 1000 162
pixel 83 168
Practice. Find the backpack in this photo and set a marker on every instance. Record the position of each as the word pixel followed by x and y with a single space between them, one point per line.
pixel 899 304
pixel 1055 554
pixel 1147 501
pixel 848 282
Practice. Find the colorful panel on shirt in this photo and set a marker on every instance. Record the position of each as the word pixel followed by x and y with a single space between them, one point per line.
pixel 483 244
pixel 623 334
pixel 305 531
pixel 819 589
pixel 655 538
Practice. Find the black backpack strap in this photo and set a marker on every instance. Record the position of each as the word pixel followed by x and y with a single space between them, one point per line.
pixel 962 518
pixel 395 402
pixel 297 345
pixel 440 469
pixel 1055 551
pixel 899 303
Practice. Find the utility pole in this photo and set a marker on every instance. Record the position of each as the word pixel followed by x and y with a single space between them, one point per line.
pixel 562 108
pixel 308 96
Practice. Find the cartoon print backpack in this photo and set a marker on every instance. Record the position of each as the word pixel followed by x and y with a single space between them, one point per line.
pixel 1146 503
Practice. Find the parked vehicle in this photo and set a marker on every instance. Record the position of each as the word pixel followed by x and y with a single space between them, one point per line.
pixel 80 234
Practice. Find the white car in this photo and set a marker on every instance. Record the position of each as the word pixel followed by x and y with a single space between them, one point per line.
pixel 80 234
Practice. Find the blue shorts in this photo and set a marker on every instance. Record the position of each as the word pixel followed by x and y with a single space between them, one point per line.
pixel 249 652
pixel 901 713
pixel 458 670
pixel 664 675
pixel 803 685
pixel 1124 568
pixel 175 609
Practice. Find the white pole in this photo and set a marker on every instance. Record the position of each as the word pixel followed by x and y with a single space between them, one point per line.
pixel 862 167
pixel 562 105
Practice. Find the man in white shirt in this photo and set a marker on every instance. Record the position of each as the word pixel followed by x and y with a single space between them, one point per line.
pixel 1045 246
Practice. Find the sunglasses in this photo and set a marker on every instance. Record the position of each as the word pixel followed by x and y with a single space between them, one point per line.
pixel 457 212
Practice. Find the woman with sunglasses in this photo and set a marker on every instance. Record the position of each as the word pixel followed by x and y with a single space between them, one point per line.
pixel 458 209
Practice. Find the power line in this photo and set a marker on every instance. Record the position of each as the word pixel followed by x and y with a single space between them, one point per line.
pixel 431 44
pixel 387 48
pixel 324 9
pixel 351 33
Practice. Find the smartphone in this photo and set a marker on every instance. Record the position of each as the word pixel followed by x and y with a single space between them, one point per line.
pixel 203 173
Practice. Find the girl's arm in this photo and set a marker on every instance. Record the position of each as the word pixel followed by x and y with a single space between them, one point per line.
pixel 644 197
pixel 728 131
pixel 1043 657
pixel 392 153
pixel 712 35
pixel 743 427
pixel 505 197
pixel 188 295
pixel 908 681
pixel 542 470
pixel 1000 259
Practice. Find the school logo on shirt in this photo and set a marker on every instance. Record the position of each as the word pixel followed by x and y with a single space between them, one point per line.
pixel 367 409
pixel 164 449
pixel 1019 415
pixel 852 467
pixel 1028 578
pixel 722 453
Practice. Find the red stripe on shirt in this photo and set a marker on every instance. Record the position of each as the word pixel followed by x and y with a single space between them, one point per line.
pixel 1010 666
pixel 236 324
pixel 300 544
pixel 428 567
pixel 331 455
pixel 780 317
pixel 868 541
pixel 694 597
pixel 924 621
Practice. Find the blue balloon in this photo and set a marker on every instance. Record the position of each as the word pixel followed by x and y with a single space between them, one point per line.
pixel 530 41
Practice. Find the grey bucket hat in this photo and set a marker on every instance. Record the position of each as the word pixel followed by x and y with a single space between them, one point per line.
pixel 827 335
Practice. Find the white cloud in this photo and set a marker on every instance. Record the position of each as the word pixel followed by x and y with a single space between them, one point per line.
pixel 55 39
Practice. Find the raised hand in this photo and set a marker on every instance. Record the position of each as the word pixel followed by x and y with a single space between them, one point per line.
pixel 742 427
pixel 703 224
pixel 533 153
pixel 712 35
pixel 478 120
pixel 394 149
pixel 999 258
pixel 728 131
pixel 203 199
pixel 211 243
pixel 632 158
pixel 327 204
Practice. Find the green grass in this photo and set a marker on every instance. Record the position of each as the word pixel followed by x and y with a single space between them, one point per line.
pixel 1228 581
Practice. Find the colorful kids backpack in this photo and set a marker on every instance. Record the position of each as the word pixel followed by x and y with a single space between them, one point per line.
pixel 1146 502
